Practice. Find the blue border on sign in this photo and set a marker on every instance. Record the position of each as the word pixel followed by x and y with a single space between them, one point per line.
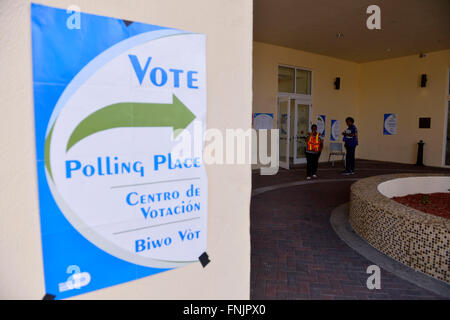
pixel 59 56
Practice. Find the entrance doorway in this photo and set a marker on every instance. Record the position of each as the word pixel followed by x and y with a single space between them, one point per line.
pixel 294 113
pixel 294 121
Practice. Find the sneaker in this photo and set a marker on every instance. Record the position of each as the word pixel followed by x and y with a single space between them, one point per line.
pixel 346 173
pixel 308 178
pixel 352 172
pixel 314 176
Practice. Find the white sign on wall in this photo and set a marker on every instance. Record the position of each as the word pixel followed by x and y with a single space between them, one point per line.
pixel 321 125
pixel 335 130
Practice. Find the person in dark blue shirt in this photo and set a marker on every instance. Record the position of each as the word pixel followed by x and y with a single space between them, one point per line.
pixel 350 141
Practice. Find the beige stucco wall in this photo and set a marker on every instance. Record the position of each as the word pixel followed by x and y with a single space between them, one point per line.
pixel 368 90
pixel 335 104
pixel 228 26
pixel 393 86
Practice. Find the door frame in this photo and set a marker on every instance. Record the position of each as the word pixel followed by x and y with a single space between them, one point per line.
pixel 284 164
pixel 307 102
pixel 299 98
pixel 447 123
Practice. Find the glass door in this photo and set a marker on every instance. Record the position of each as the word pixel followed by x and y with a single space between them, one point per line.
pixel 302 124
pixel 284 119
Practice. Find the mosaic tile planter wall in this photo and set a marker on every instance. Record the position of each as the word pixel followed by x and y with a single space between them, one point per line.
pixel 416 239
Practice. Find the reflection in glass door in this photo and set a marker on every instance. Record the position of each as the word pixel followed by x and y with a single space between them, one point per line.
pixel 301 127
pixel 284 127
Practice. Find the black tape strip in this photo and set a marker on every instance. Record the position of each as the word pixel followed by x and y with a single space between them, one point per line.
pixel 127 22
pixel 204 259
pixel 49 296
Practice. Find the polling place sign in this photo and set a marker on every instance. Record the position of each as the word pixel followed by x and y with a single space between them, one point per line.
pixel 111 99
pixel 335 130
pixel 390 124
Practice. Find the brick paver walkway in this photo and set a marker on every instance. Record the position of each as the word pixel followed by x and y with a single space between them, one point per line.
pixel 296 253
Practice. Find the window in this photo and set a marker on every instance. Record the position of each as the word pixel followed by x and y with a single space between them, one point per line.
pixel 294 80
pixel 286 79
pixel 303 81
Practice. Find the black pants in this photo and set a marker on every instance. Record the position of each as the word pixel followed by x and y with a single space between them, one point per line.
pixel 312 162
pixel 350 159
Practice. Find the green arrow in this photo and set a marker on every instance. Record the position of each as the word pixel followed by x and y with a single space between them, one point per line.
pixel 48 139
pixel 131 114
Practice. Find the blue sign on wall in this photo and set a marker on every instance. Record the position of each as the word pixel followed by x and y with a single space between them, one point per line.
pixel 263 121
pixel 390 124
pixel 110 97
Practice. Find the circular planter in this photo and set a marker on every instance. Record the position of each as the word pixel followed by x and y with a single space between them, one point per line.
pixel 416 239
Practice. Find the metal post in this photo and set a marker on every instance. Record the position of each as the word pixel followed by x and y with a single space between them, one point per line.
pixel 420 153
